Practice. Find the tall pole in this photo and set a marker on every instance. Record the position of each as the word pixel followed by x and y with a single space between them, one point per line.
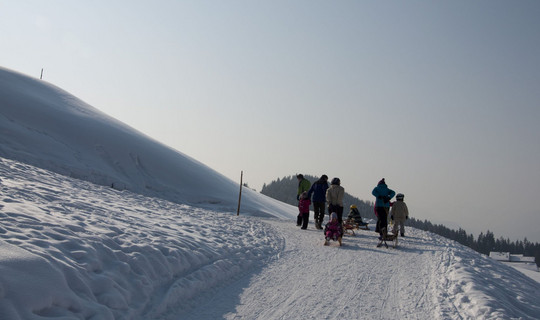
pixel 240 195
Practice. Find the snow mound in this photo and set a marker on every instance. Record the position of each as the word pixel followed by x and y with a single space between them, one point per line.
pixel 45 126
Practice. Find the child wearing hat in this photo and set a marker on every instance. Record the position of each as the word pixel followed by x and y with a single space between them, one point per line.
pixel 399 213
pixel 333 230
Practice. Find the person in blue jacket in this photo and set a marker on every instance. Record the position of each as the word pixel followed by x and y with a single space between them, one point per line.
pixel 383 195
pixel 318 190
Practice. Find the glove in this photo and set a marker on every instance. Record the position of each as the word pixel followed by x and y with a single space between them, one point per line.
pixel 392 217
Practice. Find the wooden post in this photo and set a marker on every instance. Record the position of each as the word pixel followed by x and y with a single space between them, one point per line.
pixel 41 76
pixel 240 195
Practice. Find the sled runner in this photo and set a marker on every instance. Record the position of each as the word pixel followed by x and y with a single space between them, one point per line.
pixel 388 237
pixel 327 241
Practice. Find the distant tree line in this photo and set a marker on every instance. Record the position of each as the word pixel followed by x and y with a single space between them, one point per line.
pixel 285 190
pixel 485 243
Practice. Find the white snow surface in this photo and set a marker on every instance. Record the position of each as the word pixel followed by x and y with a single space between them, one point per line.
pixel 75 248
pixel 45 126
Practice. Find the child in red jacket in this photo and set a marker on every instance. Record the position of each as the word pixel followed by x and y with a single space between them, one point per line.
pixel 303 209
pixel 333 230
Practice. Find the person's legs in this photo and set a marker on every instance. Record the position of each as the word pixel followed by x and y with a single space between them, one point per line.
pixel 305 220
pixel 402 227
pixel 382 221
pixel 339 211
pixel 318 209
pixel 395 228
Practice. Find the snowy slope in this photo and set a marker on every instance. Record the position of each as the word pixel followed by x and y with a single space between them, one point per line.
pixel 47 127
pixel 70 249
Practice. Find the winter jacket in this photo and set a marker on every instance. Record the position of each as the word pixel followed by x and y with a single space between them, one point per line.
pixel 332 229
pixel 399 211
pixel 303 205
pixel 303 185
pixel 318 189
pixel 335 194
pixel 354 214
pixel 380 192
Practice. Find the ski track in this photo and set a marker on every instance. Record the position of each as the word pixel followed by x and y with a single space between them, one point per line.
pixel 420 279
pixel 354 281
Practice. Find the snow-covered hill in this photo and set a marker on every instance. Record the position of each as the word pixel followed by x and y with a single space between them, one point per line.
pixel 71 249
pixel 43 125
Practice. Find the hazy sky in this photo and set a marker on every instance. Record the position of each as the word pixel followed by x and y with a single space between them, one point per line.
pixel 442 98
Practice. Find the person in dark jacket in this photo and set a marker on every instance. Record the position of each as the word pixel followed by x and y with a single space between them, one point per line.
pixel 318 190
pixel 383 195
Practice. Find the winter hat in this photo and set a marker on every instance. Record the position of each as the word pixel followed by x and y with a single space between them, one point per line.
pixel 333 216
pixel 381 182
pixel 336 181
pixel 400 196
pixel 324 177
pixel 300 176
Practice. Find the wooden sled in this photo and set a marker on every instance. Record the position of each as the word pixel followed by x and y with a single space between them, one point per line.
pixel 350 225
pixel 327 241
pixel 388 237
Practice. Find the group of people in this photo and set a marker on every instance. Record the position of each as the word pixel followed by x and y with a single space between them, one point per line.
pixel 320 193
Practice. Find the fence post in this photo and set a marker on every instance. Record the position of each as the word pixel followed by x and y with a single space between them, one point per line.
pixel 240 194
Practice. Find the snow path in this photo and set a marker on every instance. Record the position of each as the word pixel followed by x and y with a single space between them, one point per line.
pixel 307 280
pixel 355 280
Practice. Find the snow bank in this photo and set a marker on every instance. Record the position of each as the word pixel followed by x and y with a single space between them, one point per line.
pixel 69 248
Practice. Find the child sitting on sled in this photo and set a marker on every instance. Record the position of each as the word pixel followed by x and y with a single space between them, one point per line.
pixel 333 230
pixel 354 216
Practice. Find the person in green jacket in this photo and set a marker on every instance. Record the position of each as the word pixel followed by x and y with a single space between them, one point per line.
pixel 303 185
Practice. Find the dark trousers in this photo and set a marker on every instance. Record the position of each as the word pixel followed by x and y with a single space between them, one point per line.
pixel 382 219
pixel 318 209
pixel 338 210
pixel 305 220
